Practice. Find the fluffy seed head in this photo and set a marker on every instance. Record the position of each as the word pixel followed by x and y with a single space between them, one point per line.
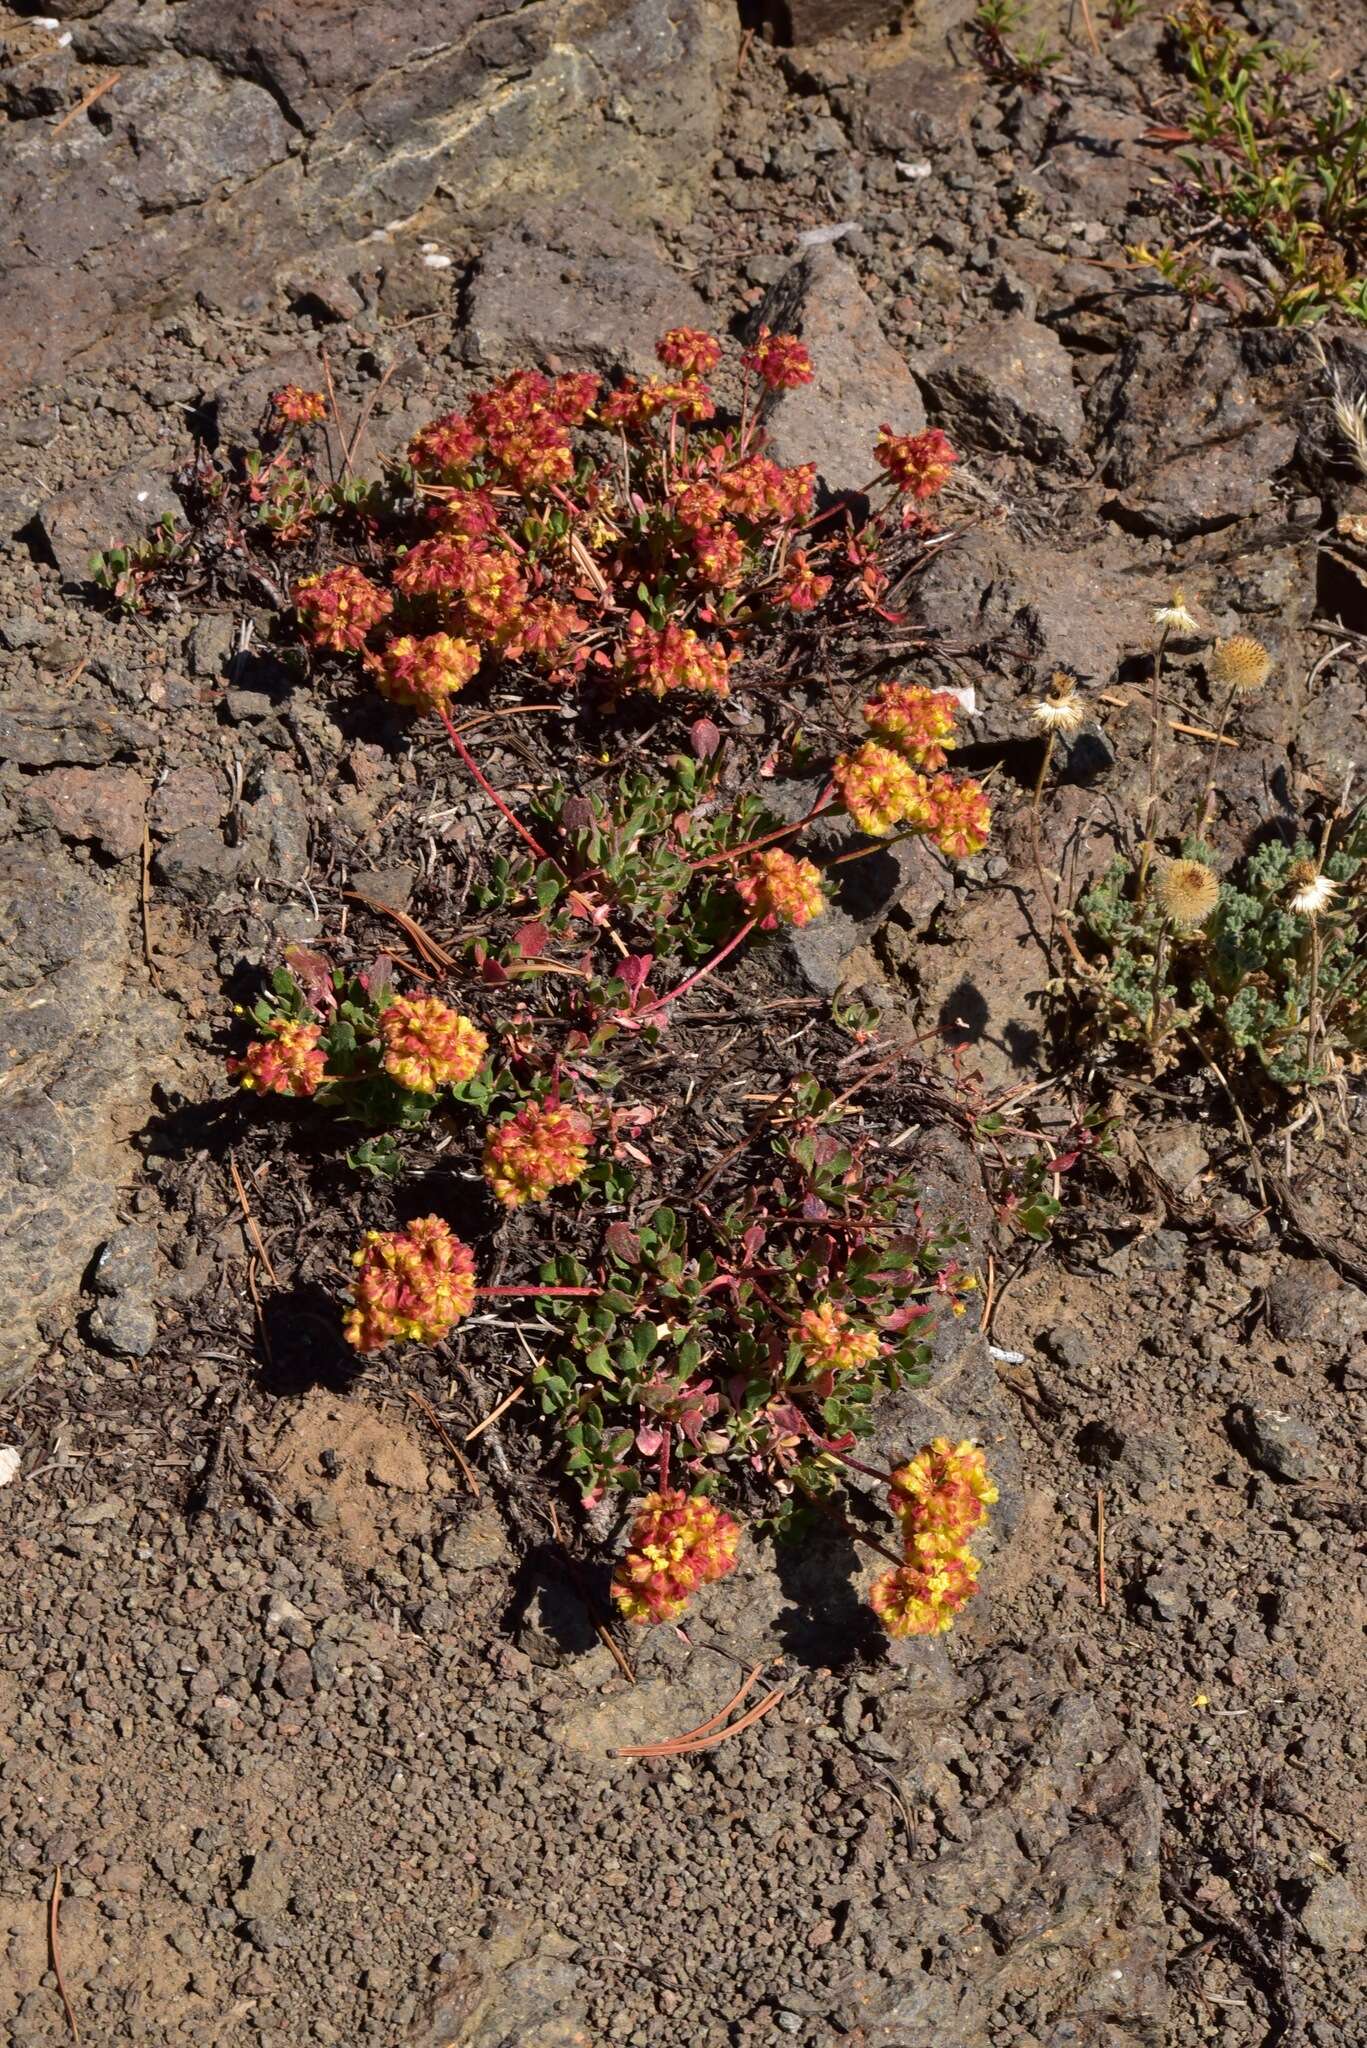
pixel 1060 709
pixel 1173 617
pixel 1241 665
pixel 1187 892
pixel 1309 891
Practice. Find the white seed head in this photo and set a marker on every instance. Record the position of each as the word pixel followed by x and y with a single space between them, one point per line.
pixel 1173 617
pixel 1310 891
pixel 1058 714
pixel 1187 892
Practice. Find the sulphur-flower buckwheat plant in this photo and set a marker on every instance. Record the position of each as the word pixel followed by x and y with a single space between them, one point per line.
pixel 678 1543
pixel 939 1497
pixel 427 1046
pixel 544 1146
pixel 832 1342
pixel 340 608
pixel 410 1285
pixel 780 888
pixel 882 791
pixel 289 1060
pixel 913 721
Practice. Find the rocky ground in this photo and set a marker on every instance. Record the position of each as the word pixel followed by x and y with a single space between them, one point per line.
pixel 318 1739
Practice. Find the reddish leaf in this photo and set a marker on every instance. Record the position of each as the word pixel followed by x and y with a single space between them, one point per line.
pixel 533 939
pixel 704 737
pixel 635 971
pixel 313 972
pixel 623 1243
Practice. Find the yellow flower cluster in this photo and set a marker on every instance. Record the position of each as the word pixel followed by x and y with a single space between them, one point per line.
pixel 288 1061
pixel 880 790
pixel 781 888
pixel 422 673
pixel 428 1046
pixel 678 1543
pixel 413 1283
pixel 541 1148
pixel 831 1342
pixel 940 1497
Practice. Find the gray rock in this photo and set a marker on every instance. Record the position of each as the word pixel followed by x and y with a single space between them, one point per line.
pixel 1176 1153
pixel 80 1047
pixel 860 381
pixel 1195 431
pixel 1308 1302
pixel 197 864
pixel 104 513
pixel 213 639
pixel 265 1894
pixel 1006 384
pixel 570 288
pixel 127 1262
pixel 507 1989
pixel 1334 1917
pixel 43 732
pixel 1166 1596
pixel 251 138
pixel 1277 1442
pixel 126 1328
pixel 104 807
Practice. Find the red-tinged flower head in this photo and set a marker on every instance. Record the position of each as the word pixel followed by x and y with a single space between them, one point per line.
pixel 523 420
pixel 762 491
pixel 467 516
pixel 673 657
pixel 288 1061
pixel 410 1284
pixel 918 1599
pixel 541 1148
pixel 718 553
pixel 546 628
pixel 880 790
pixel 428 1046
pixel 300 408
pixel 678 1542
pixel 802 589
pixel 422 674
pixel 919 464
pixel 781 887
pixel 943 1492
pixel 962 818
pixel 690 350
pixel 446 447
pixel 779 361
pixel 573 397
pixel 339 608
pixel 915 722
pixel 831 1342
pixel 700 504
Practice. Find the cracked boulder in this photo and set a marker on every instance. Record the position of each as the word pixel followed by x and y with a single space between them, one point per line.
pixel 238 139
pixel 81 1043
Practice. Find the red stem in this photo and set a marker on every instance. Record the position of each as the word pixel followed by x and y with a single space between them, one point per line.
pixel 535 1293
pixel 706 968
pixel 713 860
pixel 482 779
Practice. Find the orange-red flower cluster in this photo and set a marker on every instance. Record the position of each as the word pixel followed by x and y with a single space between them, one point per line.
pixel 660 659
pixel 779 361
pixel 414 1283
pixel 802 589
pixel 288 1061
pixel 880 790
pixel 678 1542
pixel 428 1046
pixel 421 674
pixel 918 723
pixel 963 818
pixel 689 350
pixel 300 408
pixel 918 464
pixel 762 490
pixel 782 888
pixel 831 1342
pixel 544 1146
pixel 339 608
pixel 940 1497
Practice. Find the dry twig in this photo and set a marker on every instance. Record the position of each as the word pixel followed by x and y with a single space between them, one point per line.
pixel 96 92
pixel 252 1230
pixel 467 1469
